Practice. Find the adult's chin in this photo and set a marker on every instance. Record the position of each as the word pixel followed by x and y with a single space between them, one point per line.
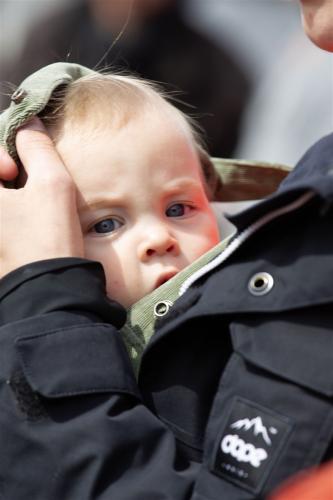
pixel 317 16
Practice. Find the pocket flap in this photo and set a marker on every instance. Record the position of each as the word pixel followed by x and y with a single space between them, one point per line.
pixel 77 360
pixel 298 351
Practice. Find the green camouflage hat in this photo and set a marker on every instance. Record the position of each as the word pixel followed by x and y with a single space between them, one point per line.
pixel 32 96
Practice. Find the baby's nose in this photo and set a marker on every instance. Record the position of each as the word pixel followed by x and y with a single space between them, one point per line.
pixel 158 242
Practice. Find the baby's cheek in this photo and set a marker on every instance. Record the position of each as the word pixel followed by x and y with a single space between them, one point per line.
pixel 116 288
pixel 210 239
pixel 124 285
pixel 200 247
pixel 91 249
pixel 212 234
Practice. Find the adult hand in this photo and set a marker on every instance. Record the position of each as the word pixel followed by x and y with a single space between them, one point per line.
pixel 38 221
pixel 8 168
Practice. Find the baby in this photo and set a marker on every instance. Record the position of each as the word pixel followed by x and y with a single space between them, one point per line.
pixel 137 163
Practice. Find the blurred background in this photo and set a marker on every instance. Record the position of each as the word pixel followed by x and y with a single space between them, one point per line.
pixel 244 68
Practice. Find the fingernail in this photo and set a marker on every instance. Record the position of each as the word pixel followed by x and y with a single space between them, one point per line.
pixel 33 124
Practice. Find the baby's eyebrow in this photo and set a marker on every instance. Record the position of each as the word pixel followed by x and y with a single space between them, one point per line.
pixel 182 183
pixel 108 200
pixel 99 203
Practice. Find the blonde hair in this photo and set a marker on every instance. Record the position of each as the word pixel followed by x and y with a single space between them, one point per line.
pixel 114 99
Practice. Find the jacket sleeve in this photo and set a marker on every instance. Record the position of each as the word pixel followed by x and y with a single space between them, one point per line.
pixel 73 425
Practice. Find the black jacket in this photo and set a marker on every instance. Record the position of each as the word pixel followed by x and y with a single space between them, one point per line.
pixel 235 387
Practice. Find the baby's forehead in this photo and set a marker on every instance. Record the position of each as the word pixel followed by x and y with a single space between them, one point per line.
pixel 153 108
pixel 115 97
pixel 94 117
pixel 107 120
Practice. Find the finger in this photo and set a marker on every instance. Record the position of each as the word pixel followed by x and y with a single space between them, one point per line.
pixel 36 150
pixel 8 168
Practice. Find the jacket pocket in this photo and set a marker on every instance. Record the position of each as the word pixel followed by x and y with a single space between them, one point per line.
pixel 76 360
pixel 297 348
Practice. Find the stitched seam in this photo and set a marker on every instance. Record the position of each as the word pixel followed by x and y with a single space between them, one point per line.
pixel 60 330
pixel 91 391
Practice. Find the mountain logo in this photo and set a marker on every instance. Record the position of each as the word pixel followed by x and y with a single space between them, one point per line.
pixel 258 428
pixel 249 443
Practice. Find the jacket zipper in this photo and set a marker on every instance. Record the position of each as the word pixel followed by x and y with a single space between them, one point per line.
pixel 242 237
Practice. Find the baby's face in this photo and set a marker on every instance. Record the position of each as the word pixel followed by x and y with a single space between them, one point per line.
pixel 142 203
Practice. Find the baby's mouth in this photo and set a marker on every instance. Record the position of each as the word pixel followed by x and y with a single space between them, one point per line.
pixel 164 278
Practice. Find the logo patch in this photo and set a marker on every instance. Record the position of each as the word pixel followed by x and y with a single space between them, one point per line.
pixel 250 443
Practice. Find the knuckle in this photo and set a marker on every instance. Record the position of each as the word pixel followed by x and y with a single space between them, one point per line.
pixel 32 141
pixel 60 182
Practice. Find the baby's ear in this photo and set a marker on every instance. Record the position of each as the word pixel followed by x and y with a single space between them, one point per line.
pixel 213 182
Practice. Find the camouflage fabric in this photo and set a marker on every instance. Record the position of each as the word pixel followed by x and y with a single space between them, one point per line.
pixel 32 96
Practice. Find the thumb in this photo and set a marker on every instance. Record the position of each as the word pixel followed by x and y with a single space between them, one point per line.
pixel 36 150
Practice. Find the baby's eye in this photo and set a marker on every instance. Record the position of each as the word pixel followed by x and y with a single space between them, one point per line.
pixel 178 210
pixel 106 226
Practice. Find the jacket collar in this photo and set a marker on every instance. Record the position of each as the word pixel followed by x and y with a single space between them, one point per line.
pixel 314 172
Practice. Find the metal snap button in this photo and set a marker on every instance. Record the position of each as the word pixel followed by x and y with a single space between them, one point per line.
pixel 260 284
pixel 18 95
pixel 162 308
